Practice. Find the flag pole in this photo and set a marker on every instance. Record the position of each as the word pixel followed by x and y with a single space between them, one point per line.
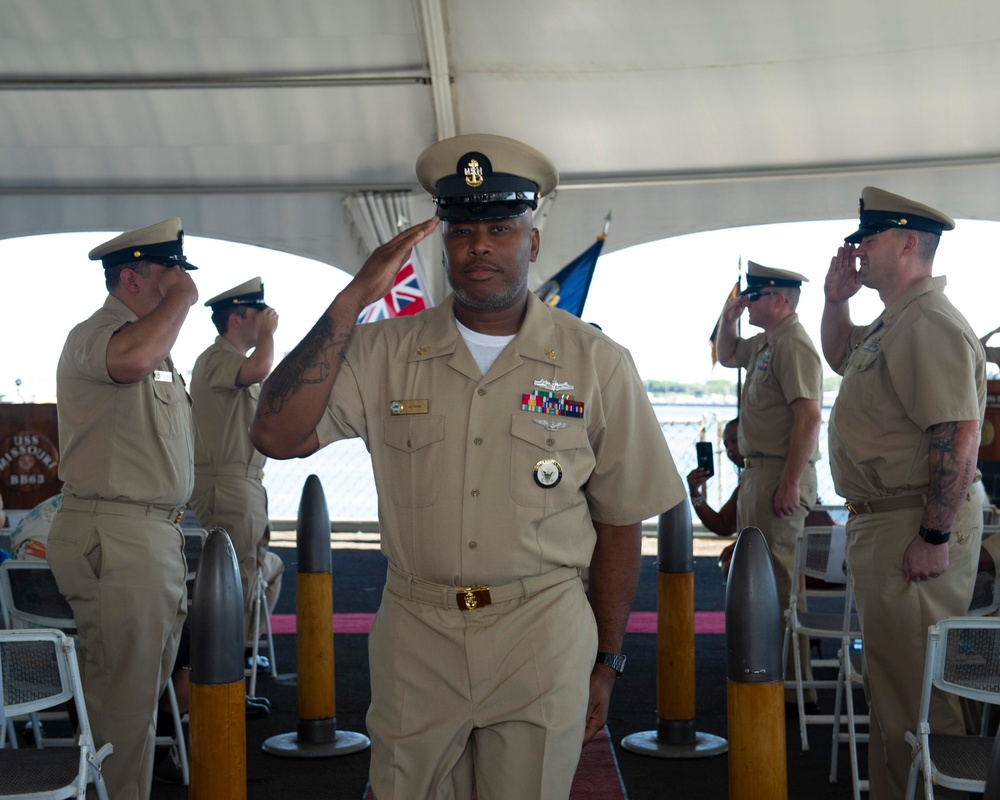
pixel 739 370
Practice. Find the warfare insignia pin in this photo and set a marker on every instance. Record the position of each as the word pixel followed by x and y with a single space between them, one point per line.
pixel 551 426
pixel 555 386
pixel 548 472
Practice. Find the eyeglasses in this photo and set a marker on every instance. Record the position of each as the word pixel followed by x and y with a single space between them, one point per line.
pixel 753 297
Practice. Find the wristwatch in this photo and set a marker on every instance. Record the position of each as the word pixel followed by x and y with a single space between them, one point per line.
pixel 616 662
pixel 934 536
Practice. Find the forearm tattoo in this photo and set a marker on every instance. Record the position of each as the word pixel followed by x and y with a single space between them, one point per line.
pixel 951 472
pixel 311 362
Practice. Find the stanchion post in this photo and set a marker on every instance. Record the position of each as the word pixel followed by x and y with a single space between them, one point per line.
pixel 316 735
pixel 676 735
pixel 218 713
pixel 755 678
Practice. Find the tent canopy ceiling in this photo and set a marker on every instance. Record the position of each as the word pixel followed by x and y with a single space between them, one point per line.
pixel 254 119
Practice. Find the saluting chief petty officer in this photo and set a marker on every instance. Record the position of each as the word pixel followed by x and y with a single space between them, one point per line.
pixel 115 547
pixel 228 472
pixel 904 438
pixel 779 428
pixel 513 445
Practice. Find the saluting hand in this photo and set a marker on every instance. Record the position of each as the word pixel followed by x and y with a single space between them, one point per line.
pixel 177 282
pixel 375 277
pixel 733 308
pixel 843 279
pixel 267 321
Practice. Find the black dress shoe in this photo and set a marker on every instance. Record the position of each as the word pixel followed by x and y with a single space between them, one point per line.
pixel 256 709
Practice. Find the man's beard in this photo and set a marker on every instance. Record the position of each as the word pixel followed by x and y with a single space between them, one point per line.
pixel 494 302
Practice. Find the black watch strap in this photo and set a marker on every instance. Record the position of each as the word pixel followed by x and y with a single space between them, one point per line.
pixel 933 535
pixel 616 662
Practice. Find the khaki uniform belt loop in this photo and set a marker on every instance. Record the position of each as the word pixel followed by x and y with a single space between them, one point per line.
pixel 472 597
pixel 123 509
pixel 878 505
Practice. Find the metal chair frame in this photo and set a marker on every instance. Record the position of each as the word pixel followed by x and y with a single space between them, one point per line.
pixel 962 658
pixel 261 616
pixel 39 671
pixel 59 615
pixel 849 677
pixel 812 555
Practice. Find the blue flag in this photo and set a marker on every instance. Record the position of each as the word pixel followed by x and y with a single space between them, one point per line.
pixel 568 288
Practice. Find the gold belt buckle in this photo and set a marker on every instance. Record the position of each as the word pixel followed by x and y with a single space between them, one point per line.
pixel 473 597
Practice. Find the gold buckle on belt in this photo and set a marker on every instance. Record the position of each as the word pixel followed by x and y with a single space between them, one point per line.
pixel 859 508
pixel 473 597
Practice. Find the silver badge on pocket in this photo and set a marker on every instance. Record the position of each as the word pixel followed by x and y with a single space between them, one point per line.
pixel 548 473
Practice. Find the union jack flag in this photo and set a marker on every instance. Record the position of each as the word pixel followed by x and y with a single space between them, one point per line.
pixel 407 296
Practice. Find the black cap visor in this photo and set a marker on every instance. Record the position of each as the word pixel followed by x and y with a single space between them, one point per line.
pixel 873 222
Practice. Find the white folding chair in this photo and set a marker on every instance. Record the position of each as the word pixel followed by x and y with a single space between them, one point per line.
pixel 963 658
pixel 818 555
pixel 30 598
pixel 849 678
pixel 38 671
pixel 261 616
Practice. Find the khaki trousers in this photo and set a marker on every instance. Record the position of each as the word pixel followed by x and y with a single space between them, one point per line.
pixel 124 578
pixel 495 697
pixel 754 507
pixel 238 505
pixel 894 617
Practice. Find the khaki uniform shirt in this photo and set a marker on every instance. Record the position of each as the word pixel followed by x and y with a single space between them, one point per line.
pixel 456 460
pixel 127 442
pixel 917 365
pixel 223 410
pixel 782 366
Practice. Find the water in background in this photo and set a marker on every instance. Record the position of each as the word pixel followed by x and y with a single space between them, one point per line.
pixel 346 473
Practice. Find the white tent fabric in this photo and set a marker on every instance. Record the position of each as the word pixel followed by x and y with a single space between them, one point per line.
pixel 252 120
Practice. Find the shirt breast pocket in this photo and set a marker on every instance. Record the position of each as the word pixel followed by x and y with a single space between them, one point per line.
pixel 860 378
pixel 414 458
pixel 167 409
pixel 558 484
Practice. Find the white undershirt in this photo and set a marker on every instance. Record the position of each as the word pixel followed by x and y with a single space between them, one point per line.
pixel 484 348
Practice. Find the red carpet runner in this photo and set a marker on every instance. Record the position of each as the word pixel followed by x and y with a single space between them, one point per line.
pixel 597 776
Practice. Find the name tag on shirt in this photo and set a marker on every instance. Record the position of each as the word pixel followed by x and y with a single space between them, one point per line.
pixel 163 375
pixel 408 407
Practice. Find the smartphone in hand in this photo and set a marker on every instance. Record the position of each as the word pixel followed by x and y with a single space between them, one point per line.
pixel 706 459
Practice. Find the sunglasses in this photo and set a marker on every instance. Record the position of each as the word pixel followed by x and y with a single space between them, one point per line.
pixel 753 297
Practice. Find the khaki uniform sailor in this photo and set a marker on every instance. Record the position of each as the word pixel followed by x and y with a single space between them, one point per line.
pixel 918 365
pixel 784 378
pixel 127 464
pixel 228 470
pixel 507 453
